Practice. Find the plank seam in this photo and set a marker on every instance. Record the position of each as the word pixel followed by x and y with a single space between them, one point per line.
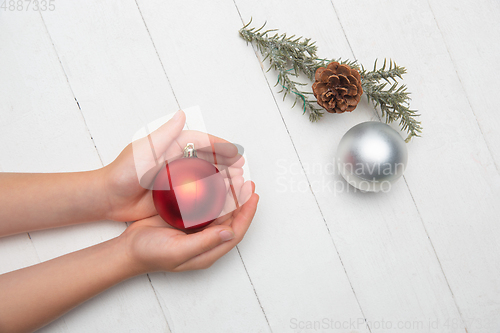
pixel 409 190
pixel 157 54
pixel 307 178
pixel 159 303
pixel 71 89
pixel 97 151
pixel 463 87
pixel 253 287
pixel 34 247
pixel 178 104
pixel 439 261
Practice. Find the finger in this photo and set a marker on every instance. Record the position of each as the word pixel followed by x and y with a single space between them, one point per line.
pixel 231 172
pixel 148 151
pixel 146 181
pixel 231 202
pixel 246 192
pixel 244 217
pixel 223 219
pixel 189 246
pixel 232 205
pixel 236 161
pixel 227 221
pixel 153 221
pixel 163 137
pixel 236 183
pixel 207 143
pixel 227 212
pixel 240 225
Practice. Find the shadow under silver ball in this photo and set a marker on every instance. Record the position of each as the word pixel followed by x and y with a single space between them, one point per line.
pixel 371 156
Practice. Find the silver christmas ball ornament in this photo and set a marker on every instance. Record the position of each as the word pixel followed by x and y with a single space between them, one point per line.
pixel 371 156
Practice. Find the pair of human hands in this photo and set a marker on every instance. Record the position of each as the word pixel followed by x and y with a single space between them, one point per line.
pixel 150 243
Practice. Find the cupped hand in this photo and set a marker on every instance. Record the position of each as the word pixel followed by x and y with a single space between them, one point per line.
pixel 152 245
pixel 128 179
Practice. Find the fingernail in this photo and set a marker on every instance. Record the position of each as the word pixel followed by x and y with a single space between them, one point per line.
pixel 177 115
pixel 226 235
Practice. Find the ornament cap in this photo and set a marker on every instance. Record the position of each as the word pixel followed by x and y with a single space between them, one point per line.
pixel 189 150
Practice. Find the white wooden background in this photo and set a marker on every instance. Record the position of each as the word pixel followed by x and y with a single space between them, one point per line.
pixel 76 84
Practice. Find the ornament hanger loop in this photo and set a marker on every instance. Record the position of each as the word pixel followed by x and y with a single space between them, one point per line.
pixel 189 150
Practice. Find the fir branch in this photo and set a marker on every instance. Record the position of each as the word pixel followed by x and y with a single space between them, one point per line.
pixel 298 50
pixel 300 54
pixel 393 72
pixel 394 103
pixel 281 51
pixel 324 62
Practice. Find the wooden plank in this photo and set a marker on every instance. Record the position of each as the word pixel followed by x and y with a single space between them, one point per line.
pixel 42 130
pixel 470 32
pixel 385 254
pixel 452 175
pixel 380 238
pixel 288 253
pixel 112 68
pixel 16 252
pixel 120 84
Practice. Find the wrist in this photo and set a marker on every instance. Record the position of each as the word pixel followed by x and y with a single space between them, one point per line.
pixel 133 256
pixel 123 262
pixel 102 203
pixel 82 196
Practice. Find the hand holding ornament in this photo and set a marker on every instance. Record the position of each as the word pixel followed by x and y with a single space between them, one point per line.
pixel 119 191
pixel 128 180
pixel 152 245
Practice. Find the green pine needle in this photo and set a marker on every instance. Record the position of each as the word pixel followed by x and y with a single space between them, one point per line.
pixel 283 51
pixel 291 55
pixel 394 103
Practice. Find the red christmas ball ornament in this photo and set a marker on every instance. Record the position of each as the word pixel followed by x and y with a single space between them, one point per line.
pixel 189 193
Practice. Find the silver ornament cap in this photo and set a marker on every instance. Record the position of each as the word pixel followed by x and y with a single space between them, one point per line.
pixel 371 156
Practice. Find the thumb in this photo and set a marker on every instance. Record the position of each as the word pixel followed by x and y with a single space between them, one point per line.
pixel 197 243
pixel 149 152
pixel 166 134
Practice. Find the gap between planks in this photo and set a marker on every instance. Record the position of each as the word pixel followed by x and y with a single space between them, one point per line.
pixel 102 164
pixel 305 173
pixel 462 85
pixel 404 178
pixel 97 151
pixel 179 106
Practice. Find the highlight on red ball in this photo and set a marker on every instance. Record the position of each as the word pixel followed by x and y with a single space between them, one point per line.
pixel 196 179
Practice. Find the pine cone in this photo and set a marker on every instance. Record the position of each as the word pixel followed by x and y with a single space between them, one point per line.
pixel 337 88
